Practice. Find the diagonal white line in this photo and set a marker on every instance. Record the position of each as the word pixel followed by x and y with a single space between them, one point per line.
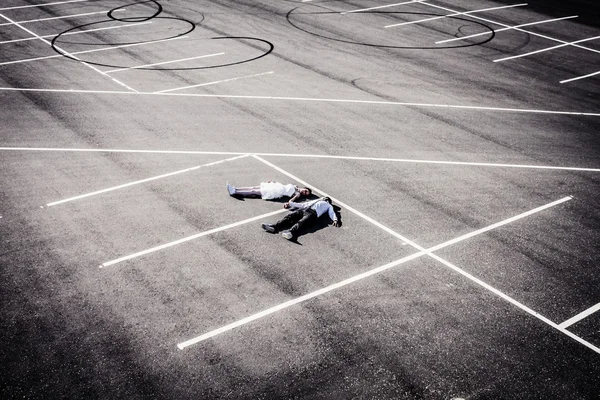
pixel 518 29
pixel 385 6
pixel 547 49
pixel 163 63
pixel 401 160
pixel 580 316
pixel 505 29
pixel 213 83
pixel 580 77
pixel 77 33
pixel 92 51
pixel 430 251
pixel 42 5
pixel 355 278
pixel 455 14
pixel 297 300
pixel 110 189
pixel 187 239
pixel 61 17
pixel 307 99
pixel 66 53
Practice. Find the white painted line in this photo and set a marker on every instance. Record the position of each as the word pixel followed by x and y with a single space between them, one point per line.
pixel 454 241
pixel 518 304
pixel 518 29
pixel 42 5
pixel 187 239
pixel 546 49
pixel 505 29
pixel 213 83
pixel 467 13
pixel 580 316
pixel 401 160
pixel 404 239
pixel 77 33
pixel 91 51
pixel 379 7
pixel 62 17
pixel 163 63
pixel 334 286
pixel 141 181
pixel 580 77
pixel 306 99
pixel 66 53
pixel 292 302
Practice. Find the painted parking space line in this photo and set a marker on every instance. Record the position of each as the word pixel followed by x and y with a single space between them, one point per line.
pixel 110 189
pixel 580 77
pixel 345 282
pixel 67 53
pixel 580 316
pixel 505 29
pixel 466 13
pixel 564 44
pixel 92 51
pixel 61 17
pixel 518 29
pixel 42 5
pixel 188 238
pixel 380 7
pixel 318 156
pixel 306 99
pixel 163 63
pixel 77 33
pixel 215 82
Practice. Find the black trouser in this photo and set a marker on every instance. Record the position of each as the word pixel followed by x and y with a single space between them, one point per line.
pixel 298 220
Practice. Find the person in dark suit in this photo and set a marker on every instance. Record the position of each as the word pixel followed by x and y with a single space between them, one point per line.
pixel 302 216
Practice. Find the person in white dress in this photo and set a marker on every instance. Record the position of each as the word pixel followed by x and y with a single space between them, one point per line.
pixel 270 190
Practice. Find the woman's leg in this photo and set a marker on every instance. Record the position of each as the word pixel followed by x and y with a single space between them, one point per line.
pixel 249 191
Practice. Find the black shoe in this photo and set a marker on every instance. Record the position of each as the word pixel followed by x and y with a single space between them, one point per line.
pixel 269 228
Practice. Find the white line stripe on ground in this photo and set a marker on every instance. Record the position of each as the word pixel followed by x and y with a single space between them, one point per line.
pixel 546 49
pixel 42 5
pixel 329 288
pixel 67 53
pixel 379 7
pixel 306 156
pixel 215 82
pixel 516 303
pixel 187 239
pixel 505 29
pixel 93 51
pixel 141 181
pixel 467 13
pixel 518 29
pixel 61 17
pixel 580 316
pixel 305 99
pixel 77 33
pixel 454 241
pixel 163 63
pixel 292 302
pixel 580 77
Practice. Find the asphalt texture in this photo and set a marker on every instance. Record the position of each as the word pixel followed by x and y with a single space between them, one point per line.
pixel 466 175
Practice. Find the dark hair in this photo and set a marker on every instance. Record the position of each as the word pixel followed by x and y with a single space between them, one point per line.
pixel 309 191
pixel 327 199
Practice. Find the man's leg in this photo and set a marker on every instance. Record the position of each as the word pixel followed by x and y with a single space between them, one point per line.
pixel 309 217
pixel 289 219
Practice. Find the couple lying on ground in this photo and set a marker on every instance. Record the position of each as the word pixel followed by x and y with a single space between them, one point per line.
pixel 301 216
